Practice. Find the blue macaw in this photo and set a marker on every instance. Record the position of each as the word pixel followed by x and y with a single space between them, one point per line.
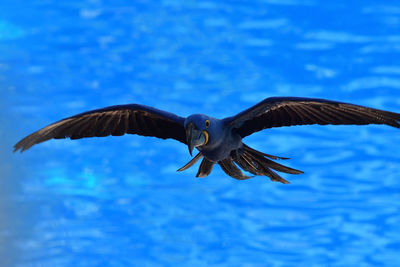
pixel 217 140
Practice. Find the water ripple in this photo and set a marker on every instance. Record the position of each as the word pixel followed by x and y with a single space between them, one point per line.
pixel 119 200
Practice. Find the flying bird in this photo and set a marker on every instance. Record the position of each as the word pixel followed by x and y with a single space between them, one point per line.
pixel 218 141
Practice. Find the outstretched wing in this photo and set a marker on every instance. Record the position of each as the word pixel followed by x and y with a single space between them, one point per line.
pixel 288 111
pixel 114 120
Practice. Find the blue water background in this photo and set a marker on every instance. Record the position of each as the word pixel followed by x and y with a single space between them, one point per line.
pixel 118 201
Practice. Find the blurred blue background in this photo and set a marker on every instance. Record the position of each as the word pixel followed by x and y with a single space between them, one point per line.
pixel 119 201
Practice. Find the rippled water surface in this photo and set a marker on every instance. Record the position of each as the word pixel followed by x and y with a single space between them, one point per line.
pixel 119 201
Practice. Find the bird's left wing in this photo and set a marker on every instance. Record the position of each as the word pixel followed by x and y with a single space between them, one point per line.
pixel 113 120
pixel 288 111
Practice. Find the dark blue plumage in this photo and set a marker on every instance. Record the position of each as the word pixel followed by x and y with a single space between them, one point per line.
pixel 218 141
pixel 221 141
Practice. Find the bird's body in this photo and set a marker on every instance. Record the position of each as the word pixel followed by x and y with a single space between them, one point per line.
pixel 219 141
pixel 222 140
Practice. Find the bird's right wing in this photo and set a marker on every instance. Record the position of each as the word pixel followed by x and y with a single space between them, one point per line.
pixel 113 120
pixel 288 111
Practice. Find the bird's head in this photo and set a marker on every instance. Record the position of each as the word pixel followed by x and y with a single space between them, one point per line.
pixel 198 127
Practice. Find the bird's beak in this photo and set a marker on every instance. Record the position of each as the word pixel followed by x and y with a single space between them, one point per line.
pixel 195 137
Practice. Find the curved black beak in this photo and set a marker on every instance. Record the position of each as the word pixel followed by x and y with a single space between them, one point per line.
pixel 194 137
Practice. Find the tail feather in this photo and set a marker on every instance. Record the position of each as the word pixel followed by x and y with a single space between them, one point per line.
pixel 247 164
pixel 229 168
pixel 275 177
pixel 191 163
pixel 261 153
pixel 273 165
pixel 268 172
pixel 205 168
pixel 248 159
pixel 258 163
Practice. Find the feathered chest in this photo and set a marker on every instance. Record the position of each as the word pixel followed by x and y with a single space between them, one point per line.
pixel 220 145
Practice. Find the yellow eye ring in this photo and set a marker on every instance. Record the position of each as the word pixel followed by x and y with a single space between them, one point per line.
pixel 208 123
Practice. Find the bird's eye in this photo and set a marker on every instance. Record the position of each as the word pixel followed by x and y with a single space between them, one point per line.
pixel 207 123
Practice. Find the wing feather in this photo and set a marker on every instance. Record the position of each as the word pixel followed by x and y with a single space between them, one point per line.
pixel 114 120
pixel 289 111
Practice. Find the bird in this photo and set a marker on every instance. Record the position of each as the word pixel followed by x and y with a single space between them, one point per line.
pixel 218 141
